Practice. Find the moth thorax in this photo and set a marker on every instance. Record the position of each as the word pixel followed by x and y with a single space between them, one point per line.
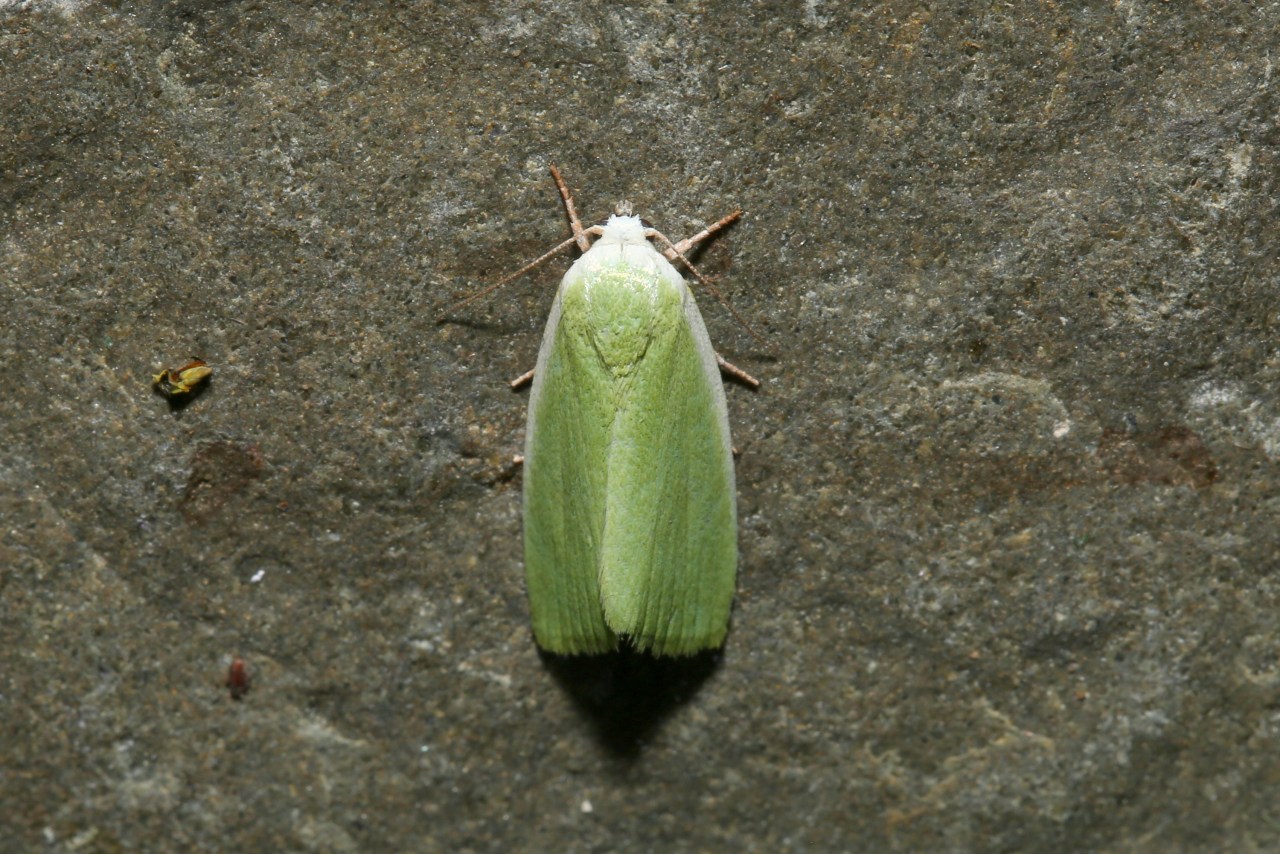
pixel 624 306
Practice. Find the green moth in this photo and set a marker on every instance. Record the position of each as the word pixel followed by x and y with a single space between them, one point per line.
pixel 630 518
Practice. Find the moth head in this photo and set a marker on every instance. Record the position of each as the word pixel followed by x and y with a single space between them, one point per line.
pixel 624 228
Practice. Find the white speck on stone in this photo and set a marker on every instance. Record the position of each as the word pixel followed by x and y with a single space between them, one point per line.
pixel 1210 395
pixel 493 676
pixel 1061 429
pixel 586 807
pixel 258 576
pixel 64 7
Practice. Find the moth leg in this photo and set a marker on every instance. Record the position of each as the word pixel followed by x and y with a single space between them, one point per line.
pixel 526 377
pixel 678 249
pixel 579 233
pixel 732 370
pixel 673 251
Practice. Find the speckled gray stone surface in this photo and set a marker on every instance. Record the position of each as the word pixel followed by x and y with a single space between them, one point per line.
pixel 1009 575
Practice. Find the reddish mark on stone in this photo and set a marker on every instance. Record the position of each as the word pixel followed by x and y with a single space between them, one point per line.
pixel 238 678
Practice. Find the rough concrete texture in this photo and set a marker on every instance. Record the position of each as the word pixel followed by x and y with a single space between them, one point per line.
pixel 1009 492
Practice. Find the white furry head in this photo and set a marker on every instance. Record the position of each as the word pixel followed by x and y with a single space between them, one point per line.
pixel 624 230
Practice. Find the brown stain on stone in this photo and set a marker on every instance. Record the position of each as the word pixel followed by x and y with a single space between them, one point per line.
pixel 1171 455
pixel 219 472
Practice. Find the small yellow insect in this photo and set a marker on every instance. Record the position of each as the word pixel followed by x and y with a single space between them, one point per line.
pixel 172 383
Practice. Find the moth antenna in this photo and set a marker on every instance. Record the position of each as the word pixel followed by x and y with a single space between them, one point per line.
pixel 442 316
pixel 702 280
pixel 579 237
